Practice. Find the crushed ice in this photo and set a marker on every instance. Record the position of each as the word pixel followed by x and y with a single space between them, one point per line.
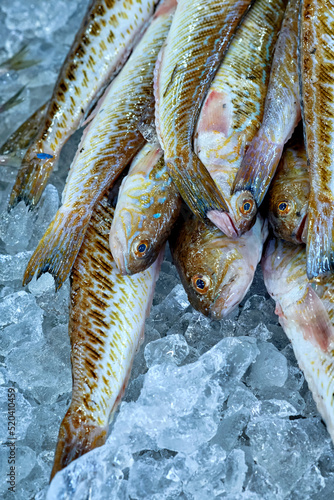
pixel 212 409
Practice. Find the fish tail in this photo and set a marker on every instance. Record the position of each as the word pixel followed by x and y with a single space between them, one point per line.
pixel 320 241
pixel 12 101
pixel 19 60
pixel 196 187
pixel 26 133
pixel 57 250
pixel 77 436
pixel 258 166
pixel 32 178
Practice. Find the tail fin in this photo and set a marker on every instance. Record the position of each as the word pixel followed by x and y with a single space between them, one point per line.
pixel 32 177
pixel 57 250
pixel 12 101
pixel 18 61
pixel 258 167
pixel 320 241
pixel 76 437
pixel 25 134
pixel 196 186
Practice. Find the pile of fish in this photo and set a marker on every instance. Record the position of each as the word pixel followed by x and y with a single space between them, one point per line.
pixel 201 101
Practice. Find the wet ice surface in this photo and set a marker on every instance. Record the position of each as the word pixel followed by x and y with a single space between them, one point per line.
pixel 212 409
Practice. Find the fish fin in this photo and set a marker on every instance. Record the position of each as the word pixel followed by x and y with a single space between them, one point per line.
pixel 76 437
pixel 312 319
pixel 32 178
pixel 12 101
pixel 57 250
pixel 320 242
pixel 196 186
pixel 26 133
pixel 18 61
pixel 258 166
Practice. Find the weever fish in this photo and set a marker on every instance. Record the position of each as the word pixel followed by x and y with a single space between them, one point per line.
pixel 306 313
pixel 216 271
pixel 317 86
pixel 288 194
pixel 108 144
pixel 107 318
pixel 199 36
pixel 148 205
pixel 233 108
pixel 107 34
pixel 281 115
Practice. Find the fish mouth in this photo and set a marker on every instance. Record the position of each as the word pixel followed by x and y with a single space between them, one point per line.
pixel 117 253
pixel 301 234
pixel 224 222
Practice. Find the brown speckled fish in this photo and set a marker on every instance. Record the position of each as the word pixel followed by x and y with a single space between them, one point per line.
pixel 233 108
pixel 107 319
pixel 216 271
pixel 317 79
pixel 102 44
pixel 26 133
pixel 108 144
pixel 199 35
pixel 289 193
pixel 148 205
pixel 281 115
pixel 306 313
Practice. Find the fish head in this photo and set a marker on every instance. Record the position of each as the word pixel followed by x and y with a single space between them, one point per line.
pixel 288 208
pixel 243 210
pixel 213 268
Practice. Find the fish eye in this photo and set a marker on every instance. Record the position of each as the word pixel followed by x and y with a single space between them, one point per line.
pixel 201 283
pixel 246 207
pixel 140 248
pixel 283 208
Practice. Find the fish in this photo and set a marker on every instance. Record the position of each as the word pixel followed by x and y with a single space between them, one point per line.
pixel 147 207
pixel 215 270
pixel 306 313
pixel 108 33
pixel 233 108
pixel 282 114
pixel 25 134
pixel 12 101
pixel 18 61
pixel 317 91
pixel 107 317
pixel 198 38
pixel 109 143
pixel 288 195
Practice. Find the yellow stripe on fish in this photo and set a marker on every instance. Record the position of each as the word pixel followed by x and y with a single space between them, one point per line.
pixel 107 319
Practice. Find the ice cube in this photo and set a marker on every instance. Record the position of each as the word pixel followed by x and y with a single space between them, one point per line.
pixel 12 267
pixel 270 368
pixel 171 349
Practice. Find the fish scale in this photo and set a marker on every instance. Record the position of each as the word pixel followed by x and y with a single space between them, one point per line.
pixel 147 207
pixel 104 41
pixel 108 144
pixel 234 106
pixel 281 115
pixel 199 36
pixel 107 319
pixel 317 85
pixel 306 315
